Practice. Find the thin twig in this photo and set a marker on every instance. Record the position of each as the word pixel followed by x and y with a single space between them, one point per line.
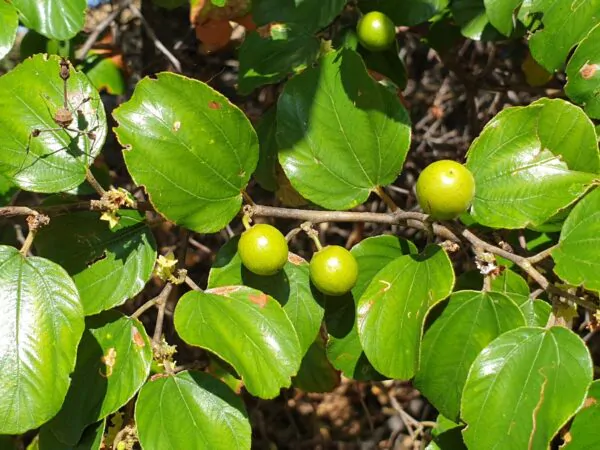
pixel 192 284
pixel 161 297
pixel 160 317
pixel 152 35
pixel 541 255
pixel 94 35
pixel 90 178
pixel 386 198
pixel 35 222
pixel 12 211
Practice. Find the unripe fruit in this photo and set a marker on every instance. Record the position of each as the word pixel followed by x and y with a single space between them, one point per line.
pixel 333 270
pixel 445 189
pixel 263 249
pixel 376 31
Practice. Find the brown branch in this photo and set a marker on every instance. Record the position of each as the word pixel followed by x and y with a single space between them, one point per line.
pixel 158 300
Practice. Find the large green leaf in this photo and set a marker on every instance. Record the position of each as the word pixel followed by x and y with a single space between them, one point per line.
pixel 55 160
pixel 343 347
pixel 191 410
pixel 564 24
pixel 42 323
pixel 290 287
pixel 309 15
pixel 391 312
pixel 510 282
pixel 190 147
pixel 113 362
pixel 90 440
pixel 246 328
pixel 583 74
pixel 523 387
pixel 108 266
pixel 55 19
pixel 577 256
pixel 10 21
pixel 471 16
pixel 341 134
pixel 406 12
pixel 470 321
pixel 531 162
pixel 585 433
pixel 264 60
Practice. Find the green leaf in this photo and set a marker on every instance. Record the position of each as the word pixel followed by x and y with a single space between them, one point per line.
pixel 584 432
pixel 343 347
pixel 564 24
pixel 501 14
pixel 509 282
pixel 391 312
pixel 265 173
pixel 105 74
pixel 7 190
pixel 471 16
pixel 191 410
pixel 536 312
pixel 387 63
pixel 341 134
pixel 10 22
pixel 308 15
pixel 316 373
pixel 470 321
pixel 265 60
pixel 41 327
pixel 543 374
pixel 531 162
pixel 290 287
pixel 583 74
pixel 113 362
pixel 108 266
pixel 446 435
pixel 190 147
pixel 406 12
pixel 90 440
pixel 55 19
pixel 247 329
pixel 56 160
pixel 577 256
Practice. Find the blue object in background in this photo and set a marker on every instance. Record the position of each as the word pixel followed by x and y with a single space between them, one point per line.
pixel 96 3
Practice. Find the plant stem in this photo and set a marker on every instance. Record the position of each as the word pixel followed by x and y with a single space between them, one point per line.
pixel 386 198
pixel 34 222
pixel 247 197
pixel 161 297
pixel 94 183
pixel 541 255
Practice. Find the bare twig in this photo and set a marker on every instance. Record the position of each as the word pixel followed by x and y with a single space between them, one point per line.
pixel 94 35
pixel 152 35
pixel 541 255
pixel 158 300
pixel 35 222
pixel 12 211
pixel 192 284
pixel 91 179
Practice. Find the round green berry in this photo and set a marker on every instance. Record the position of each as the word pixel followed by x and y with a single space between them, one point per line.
pixel 333 270
pixel 376 31
pixel 263 249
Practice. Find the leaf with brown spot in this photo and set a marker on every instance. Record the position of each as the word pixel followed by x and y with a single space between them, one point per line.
pixel 261 299
pixel 295 259
pixel 224 290
pixel 214 105
pixel 137 338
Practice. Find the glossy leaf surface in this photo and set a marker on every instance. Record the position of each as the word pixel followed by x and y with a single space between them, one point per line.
pixel 531 162
pixel 583 74
pixel 470 321
pixel 584 433
pixel 113 362
pixel 41 308
pixel 290 287
pixel 335 123
pixel 108 266
pixel 510 282
pixel 391 312
pixel 536 311
pixel 577 256
pixel 56 160
pixel 55 19
pixel 190 147
pixel 246 328
pixel 10 21
pixel 191 410
pixel 343 347
pixel 543 374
